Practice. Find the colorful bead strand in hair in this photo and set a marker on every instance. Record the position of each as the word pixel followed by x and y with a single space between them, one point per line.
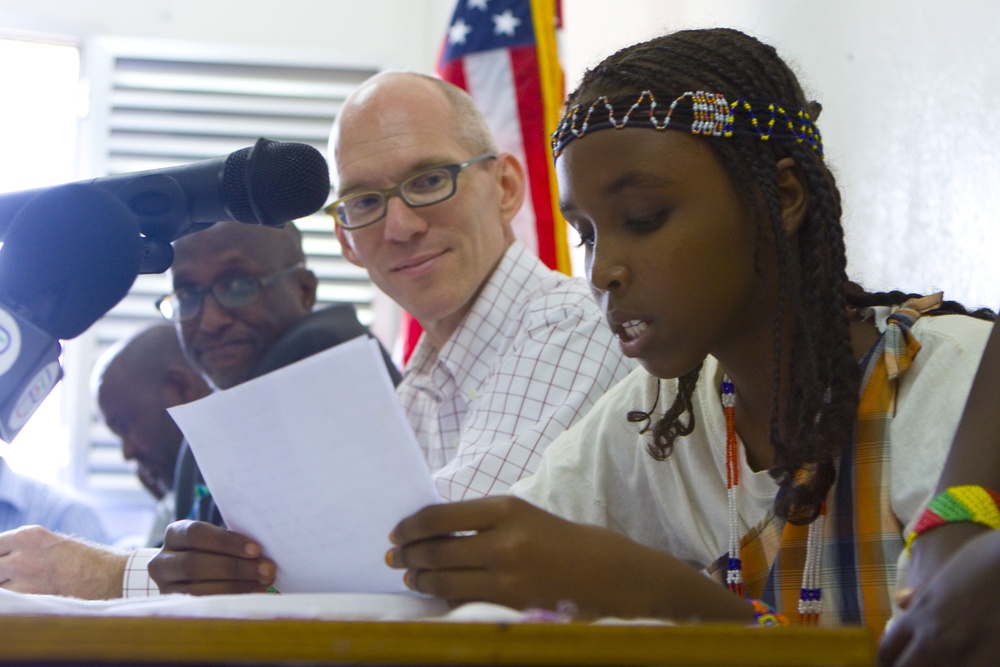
pixel 734 567
pixel 810 592
pixel 700 112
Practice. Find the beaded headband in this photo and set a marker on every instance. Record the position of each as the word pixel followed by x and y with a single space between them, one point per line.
pixel 700 112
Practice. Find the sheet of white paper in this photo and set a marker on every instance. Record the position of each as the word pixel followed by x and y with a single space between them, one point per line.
pixel 317 462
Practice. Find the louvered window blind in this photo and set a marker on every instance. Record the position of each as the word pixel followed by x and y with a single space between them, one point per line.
pixel 159 104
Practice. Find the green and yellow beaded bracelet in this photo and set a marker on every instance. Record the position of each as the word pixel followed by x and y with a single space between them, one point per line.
pixel 969 502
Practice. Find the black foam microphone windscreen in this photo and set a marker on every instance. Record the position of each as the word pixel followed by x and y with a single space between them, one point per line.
pixel 269 183
pixel 71 253
pixel 282 181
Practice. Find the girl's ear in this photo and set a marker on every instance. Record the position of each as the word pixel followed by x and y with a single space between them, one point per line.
pixel 792 195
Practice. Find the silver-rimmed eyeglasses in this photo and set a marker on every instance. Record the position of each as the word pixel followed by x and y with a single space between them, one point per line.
pixel 231 292
pixel 360 209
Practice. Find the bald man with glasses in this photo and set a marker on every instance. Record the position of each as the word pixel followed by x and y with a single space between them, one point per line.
pixel 512 353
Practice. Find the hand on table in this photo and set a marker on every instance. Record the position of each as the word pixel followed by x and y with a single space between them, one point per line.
pixel 952 619
pixel 33 559
pixel 504 550
pixel 202 559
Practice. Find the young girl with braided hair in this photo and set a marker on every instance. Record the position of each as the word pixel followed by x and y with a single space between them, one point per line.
pixel 786 427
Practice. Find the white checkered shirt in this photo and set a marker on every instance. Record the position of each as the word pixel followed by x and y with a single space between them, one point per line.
pixel 137 583
pixel 528 361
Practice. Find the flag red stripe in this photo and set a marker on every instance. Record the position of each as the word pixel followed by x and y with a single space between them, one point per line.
pixel 524 63
pixel 530 100
pixel 454 72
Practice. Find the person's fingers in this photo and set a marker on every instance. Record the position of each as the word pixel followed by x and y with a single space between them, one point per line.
pixel 26 538
pixel 457 517
pixel 922 649
pixel 904 596
pixel 442 553
pixel 172 568
pixel 442 519
pixel 907 657
pixel 204 537
pixel 6 545
pixel 894 642
pixel 217 588
pixel 451 585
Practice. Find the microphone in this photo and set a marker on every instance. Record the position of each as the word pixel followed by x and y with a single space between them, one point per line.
pixel 269 183
pixel 70 254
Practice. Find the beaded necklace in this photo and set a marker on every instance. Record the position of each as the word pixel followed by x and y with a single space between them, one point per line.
pixel 810 593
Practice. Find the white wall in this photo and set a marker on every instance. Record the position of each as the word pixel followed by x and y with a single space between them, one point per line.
pixel 397 33
pixel 910 92
pixel 908 89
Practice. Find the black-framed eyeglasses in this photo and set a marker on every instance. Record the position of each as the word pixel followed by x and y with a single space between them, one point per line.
pixel 360 209
pixel 233 292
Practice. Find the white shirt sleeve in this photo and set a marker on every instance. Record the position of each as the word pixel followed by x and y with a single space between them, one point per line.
pixel 137 582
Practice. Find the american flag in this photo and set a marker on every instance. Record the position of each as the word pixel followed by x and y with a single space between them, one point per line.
pixel 503 52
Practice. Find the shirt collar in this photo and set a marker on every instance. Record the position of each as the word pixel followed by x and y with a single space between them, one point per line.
pixel 472 349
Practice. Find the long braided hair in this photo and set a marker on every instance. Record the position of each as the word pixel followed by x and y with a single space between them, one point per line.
pixel 816 423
